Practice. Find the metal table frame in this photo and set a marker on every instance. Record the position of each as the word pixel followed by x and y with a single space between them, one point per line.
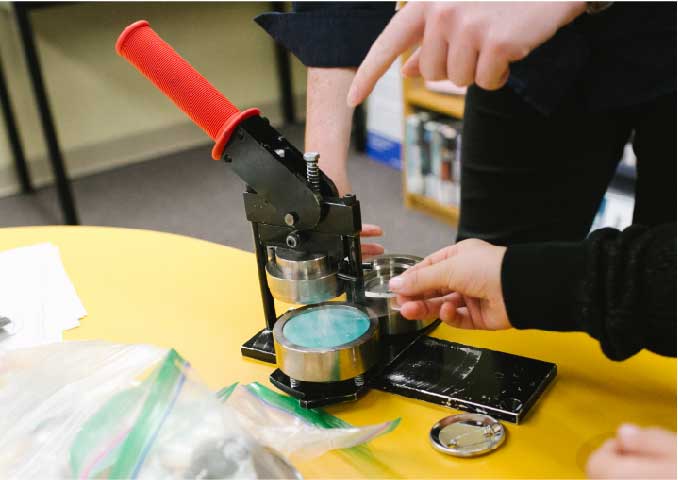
pixel 13 135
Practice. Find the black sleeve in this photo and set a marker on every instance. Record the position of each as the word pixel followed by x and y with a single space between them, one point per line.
pixel 329 34
pixel 619 287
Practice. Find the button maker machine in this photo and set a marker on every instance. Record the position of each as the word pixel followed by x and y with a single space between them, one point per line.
pixel 307 249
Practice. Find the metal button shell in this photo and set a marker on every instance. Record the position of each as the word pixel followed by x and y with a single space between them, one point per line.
pixel 467 435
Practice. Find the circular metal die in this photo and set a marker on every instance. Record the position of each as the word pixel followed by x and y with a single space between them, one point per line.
pixel 301 278
pixel 327 363
pixel 382 301
pixel 467 435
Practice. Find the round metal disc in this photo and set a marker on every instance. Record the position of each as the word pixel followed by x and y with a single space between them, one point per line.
pixel 467 435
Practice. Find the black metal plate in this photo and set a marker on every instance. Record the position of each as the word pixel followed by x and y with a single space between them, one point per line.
pixel 316 395
pixel 260 347
pixel 466 378
pixel 472 379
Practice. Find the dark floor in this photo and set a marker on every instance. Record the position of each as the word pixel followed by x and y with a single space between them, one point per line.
pixel 189 194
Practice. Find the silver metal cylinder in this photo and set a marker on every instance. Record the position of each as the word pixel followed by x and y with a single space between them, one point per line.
pixel 327 364
pixel 382 301
pixel 301 278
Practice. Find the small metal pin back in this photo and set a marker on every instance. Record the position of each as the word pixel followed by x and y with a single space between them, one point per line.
pixel 467 435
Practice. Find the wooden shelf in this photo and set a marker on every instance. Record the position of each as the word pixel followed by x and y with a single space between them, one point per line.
pixel 446 213
pixel 417 95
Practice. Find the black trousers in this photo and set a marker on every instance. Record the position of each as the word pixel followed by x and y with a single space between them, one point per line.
pixel 527 177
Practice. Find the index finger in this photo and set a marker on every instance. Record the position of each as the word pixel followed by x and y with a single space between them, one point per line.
pixel 370 230
pixel 425 279
pixel 404 29
pixel 438 256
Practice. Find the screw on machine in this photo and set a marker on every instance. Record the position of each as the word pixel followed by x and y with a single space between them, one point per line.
pixel 312 171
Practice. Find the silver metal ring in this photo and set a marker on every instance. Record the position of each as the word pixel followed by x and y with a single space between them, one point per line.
pixel 330 364
pixel 301 278
pixel 382 301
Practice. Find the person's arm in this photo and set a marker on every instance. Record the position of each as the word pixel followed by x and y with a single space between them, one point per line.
pixel 328 130
pixel 620 287
pixel 328 121
pixel 466 42
pixel 331 39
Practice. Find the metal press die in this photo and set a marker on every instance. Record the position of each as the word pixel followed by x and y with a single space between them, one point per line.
pixel 382 301
pixel 341 343
pixel 301 277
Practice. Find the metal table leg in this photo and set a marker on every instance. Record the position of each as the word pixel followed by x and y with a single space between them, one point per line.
pixel 13 135
pixel 49 131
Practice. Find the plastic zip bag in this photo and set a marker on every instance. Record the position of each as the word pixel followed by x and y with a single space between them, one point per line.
pixel 48 392
pixel 170 425
pixel 278 422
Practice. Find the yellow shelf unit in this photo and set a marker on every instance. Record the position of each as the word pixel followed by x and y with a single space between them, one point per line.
pixel 445 213
pixel 417 96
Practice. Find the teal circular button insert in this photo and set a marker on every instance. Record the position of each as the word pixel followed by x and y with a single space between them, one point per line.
pixel 326 326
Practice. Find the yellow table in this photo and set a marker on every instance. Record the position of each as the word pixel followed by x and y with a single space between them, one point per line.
pixel 203 299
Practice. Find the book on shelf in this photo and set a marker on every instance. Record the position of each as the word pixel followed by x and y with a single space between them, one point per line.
pixel 433 156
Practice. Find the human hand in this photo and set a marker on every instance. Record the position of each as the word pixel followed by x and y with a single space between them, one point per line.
pixel 371 249
pixel 635 453
pixel 465 42
pixel 460 284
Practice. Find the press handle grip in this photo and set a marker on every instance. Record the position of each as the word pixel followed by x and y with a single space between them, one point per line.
pixel 175 77
pixel 178 80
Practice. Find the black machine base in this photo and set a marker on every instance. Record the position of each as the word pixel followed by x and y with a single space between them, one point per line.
pixel 417 366
pixel 316 395
pixel 260 347
pixel 466 378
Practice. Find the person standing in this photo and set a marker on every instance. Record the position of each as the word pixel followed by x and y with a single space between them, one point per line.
pixel 555 90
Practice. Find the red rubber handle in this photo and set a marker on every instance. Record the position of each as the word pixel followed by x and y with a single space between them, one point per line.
pixel 176 78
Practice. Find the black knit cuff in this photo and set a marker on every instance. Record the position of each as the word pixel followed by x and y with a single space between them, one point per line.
pixel 542 285
pixel 322 40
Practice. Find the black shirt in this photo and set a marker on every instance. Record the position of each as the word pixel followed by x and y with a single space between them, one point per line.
pixel 623 56
pixel 619 287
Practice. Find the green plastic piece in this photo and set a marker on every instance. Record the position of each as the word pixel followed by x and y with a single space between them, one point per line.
pixel 313 416
pixel 153 414
pixel 226 392
pixel 326 327
pixel 105 446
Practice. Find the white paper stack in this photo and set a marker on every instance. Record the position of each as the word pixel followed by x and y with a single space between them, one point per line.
pixel 37 296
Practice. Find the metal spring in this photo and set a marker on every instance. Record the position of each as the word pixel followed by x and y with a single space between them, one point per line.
pixel 312 171
pixel 294 383
pixel 359 380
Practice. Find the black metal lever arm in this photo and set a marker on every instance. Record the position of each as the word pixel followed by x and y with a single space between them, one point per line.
pixel 276 170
